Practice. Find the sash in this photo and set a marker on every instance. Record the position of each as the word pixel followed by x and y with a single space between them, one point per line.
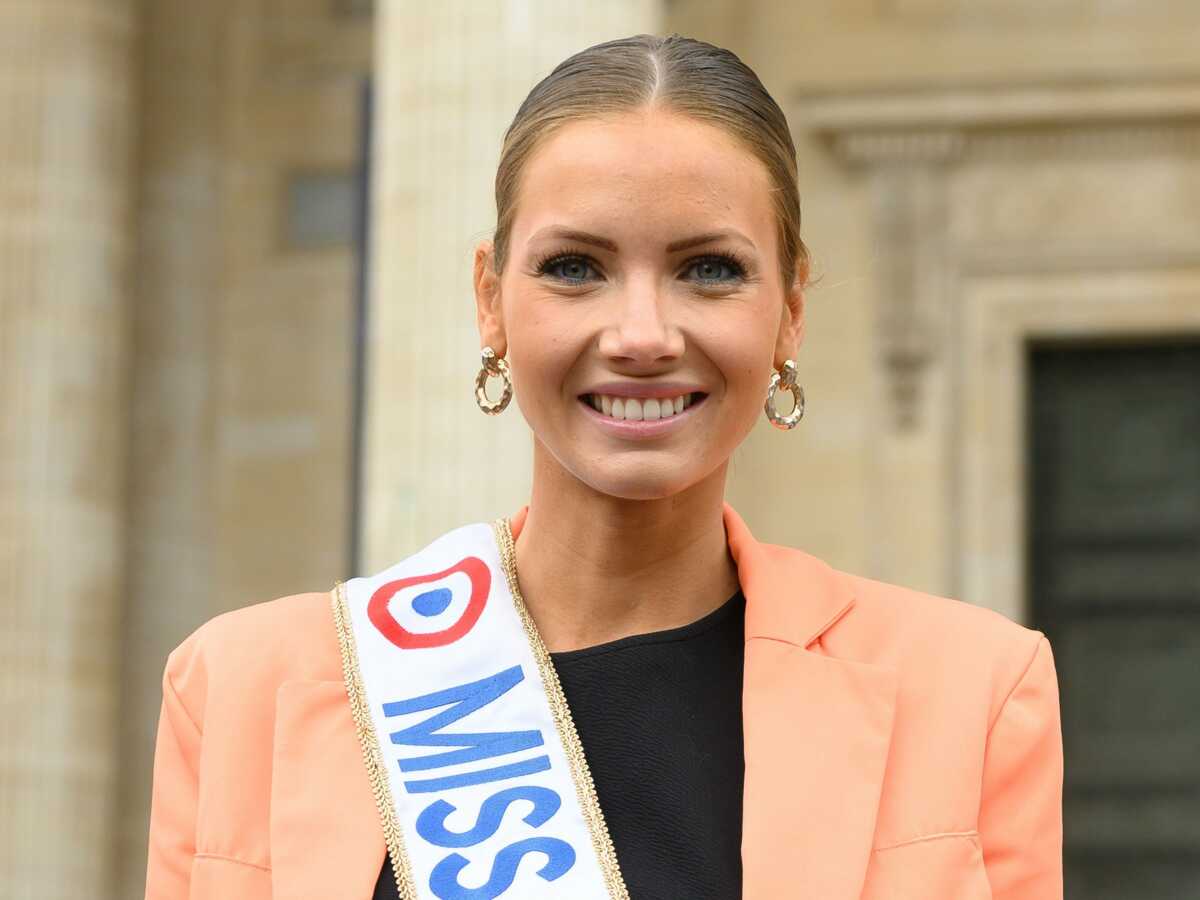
pixel 476 768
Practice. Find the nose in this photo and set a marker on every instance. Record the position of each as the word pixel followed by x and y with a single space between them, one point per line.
pixel 641 329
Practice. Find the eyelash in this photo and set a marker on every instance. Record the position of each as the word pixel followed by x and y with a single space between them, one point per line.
pixel 739 265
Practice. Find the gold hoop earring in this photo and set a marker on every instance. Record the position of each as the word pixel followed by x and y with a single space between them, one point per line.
pixel 492 365
pixel 786 379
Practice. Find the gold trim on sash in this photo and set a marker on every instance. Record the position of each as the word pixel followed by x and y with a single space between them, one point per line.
pixel 372 755
pixel 581 775
pixel 585 789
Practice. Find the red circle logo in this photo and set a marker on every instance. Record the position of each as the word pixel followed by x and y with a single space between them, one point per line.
pixel 381 617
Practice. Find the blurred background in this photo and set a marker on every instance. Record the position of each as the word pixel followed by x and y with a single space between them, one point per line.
pixel 237 351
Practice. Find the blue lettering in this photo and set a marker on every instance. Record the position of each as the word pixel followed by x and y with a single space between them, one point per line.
pixel 444 880
pixel 463 700
pixel 483 776
pixel 431 824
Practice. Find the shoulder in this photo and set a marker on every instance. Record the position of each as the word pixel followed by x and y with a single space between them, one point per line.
pixel 249 653
pixel 941 644
pixel 911 614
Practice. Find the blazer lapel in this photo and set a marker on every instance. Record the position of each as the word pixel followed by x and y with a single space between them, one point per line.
pixel 326 836
pixel 816 732
pixel 816 729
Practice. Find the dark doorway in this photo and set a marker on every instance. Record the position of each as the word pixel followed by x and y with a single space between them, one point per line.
pixel 1114 525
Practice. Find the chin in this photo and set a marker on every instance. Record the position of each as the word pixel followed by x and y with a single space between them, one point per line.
pixel 648 484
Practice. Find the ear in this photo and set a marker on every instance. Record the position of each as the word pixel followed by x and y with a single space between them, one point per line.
pixel 488 314
pixel 791 319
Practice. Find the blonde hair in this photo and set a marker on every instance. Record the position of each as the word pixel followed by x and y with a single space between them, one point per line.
pixel 673 73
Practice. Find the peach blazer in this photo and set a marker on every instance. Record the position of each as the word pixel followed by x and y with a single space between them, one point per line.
pixel 898 746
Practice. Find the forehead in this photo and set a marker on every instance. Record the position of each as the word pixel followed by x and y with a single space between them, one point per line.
pixel 648 175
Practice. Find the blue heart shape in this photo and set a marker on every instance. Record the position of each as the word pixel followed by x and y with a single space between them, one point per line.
pixel 431 603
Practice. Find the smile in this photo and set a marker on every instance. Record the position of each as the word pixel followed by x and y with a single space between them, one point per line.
pixel 662 420
pixel 634 409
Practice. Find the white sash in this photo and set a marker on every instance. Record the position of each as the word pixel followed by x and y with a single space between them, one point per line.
pixel 478 773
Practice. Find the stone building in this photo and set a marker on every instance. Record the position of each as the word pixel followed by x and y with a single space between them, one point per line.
pixel 214 351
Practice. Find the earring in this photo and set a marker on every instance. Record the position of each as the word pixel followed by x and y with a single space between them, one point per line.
pixel 492 365
pixel 786 379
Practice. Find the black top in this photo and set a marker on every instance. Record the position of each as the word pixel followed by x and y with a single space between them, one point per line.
pixel 660 719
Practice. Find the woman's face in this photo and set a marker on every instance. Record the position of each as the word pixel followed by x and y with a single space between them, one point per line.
pixel 642 278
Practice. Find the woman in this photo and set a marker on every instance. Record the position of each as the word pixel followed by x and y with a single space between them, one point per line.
pixel 755 723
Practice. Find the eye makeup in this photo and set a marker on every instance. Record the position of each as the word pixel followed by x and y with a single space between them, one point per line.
pixel 737 264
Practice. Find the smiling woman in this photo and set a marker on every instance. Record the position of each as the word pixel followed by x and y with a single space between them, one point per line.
pixel 638 262
pixel 618 691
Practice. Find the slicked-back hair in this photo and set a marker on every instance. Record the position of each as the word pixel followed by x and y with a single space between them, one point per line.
pixel 675 74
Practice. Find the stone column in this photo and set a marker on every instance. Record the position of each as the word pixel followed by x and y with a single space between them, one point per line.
pixel 450 78
pixel 66 130
pixel 172 567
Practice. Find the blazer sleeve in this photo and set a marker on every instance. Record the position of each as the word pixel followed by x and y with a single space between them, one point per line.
pixel 1020 819
pixel 172 841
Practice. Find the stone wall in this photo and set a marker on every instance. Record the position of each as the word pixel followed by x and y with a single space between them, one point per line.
pixel 67 124
pixel 952 151
pixel 177 281
pixel 449 85
pixel 250 145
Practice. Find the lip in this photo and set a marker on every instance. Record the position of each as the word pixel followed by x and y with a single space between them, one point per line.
pixel 657 390
pixel 640 430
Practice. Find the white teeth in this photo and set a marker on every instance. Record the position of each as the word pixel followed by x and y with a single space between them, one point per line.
pixel 636 409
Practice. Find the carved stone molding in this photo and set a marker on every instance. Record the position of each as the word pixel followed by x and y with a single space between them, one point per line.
pixel 1068 190
pixel 1000 315
pixel 984 13
pixel 910 224
pixel 906 146
pixel 984 107
pixel 1085 141
pixel 910 142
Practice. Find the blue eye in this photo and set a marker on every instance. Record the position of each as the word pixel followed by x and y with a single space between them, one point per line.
pixel 718 263
pixel 575 263
pixel 573 268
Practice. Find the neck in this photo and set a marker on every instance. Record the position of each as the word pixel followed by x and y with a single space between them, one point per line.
pixel 594 568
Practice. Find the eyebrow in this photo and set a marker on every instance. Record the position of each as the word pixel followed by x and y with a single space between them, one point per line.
pixel 585 237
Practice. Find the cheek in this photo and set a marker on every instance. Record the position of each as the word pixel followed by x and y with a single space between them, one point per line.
pixel 751 393
pixel 744 354
pixel 541 357
pixel 747 370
